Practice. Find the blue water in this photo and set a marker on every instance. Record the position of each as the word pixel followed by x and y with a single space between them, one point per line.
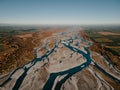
pixel 70 72
pixel 49 84
pixel 21 78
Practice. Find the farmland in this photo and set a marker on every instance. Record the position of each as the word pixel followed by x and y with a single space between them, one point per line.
pixel 106 42
pixel 107 38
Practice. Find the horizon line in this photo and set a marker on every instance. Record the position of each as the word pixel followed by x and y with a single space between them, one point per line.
pixel 19 24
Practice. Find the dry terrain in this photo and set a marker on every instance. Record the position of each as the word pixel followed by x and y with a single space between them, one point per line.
pixel 63 59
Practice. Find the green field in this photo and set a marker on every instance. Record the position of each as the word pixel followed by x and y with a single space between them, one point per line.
pixel 111 42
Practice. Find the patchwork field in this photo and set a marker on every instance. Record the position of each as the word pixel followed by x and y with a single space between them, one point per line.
pixel 110 40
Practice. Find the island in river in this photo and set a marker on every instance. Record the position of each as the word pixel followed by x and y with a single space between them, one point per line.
pixel 58 58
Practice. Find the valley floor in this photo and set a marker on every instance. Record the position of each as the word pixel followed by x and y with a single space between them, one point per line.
pixel 62 61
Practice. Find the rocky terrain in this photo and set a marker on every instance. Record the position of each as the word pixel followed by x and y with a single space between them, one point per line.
pixel 17 49
pixel 63 60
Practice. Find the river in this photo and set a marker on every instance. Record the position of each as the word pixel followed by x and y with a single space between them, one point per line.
pixel 70 72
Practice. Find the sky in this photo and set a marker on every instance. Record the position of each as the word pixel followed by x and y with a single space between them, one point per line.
pixel 60 12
